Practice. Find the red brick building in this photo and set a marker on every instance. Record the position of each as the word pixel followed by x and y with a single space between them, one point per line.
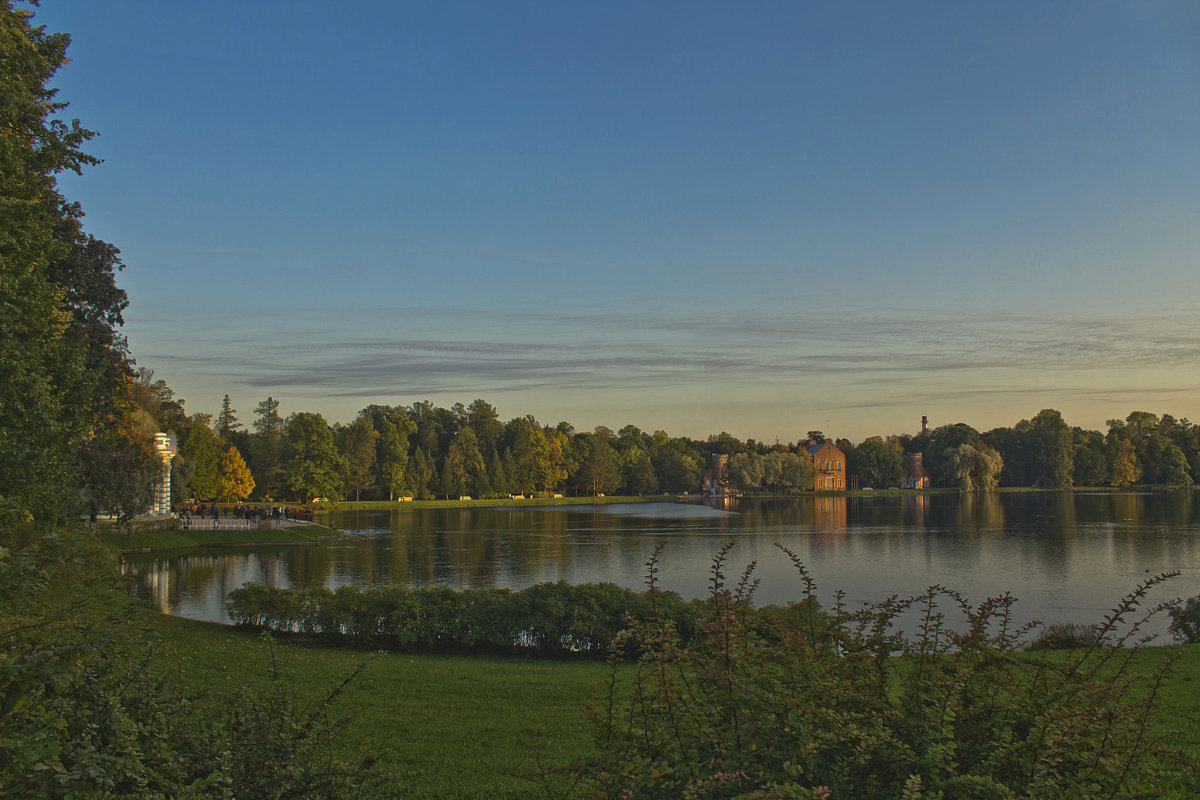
pixel 914 472
pixel 829 463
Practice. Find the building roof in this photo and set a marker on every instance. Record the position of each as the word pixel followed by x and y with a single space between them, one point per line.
pixel 816 447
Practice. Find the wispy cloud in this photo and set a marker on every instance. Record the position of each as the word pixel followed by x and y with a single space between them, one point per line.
pixel 887 359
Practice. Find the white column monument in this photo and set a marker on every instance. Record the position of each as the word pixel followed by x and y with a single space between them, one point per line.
pixel 164 445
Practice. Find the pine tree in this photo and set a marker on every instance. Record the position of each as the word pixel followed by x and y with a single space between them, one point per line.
pixel 227 421
pixel 269 426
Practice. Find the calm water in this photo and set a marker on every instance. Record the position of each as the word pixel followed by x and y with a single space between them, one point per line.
pixel 1065 557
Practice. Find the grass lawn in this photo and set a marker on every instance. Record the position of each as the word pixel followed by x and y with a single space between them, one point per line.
pixel 461 727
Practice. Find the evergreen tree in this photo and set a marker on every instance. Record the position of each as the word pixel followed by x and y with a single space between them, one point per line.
pixel 497 478
pixel 269 427
pixel 227 421
pixel 482 418
pixel 356 444
pixel 600 471
pixel 392 458
pixel 421 473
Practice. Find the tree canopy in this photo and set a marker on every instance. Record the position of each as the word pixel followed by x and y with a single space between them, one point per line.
pixel 65 375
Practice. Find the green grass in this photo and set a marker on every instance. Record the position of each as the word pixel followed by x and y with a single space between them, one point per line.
pixel 178 539
pixel 1178 712
pixel 462 727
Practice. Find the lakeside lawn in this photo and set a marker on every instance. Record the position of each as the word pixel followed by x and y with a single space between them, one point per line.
pixel 460 727
pixel 463 726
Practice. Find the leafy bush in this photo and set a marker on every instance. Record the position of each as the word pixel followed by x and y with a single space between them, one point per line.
pixel 1185 621
pixel 1065 636
pixel 86 710
pixel 839 705
pixel 549 619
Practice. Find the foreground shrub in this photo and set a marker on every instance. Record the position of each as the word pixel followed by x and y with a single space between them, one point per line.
pixel 839 705
pixel 1065 636
pixel 88 709
pixel 1185 621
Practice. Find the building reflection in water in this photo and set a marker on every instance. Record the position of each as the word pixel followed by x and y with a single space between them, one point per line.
pixel 829 513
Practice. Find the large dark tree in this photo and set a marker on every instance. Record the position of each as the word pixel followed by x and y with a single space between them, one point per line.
pixel 64 371
pixel 356 444
pixel 600 471
pixel 267 454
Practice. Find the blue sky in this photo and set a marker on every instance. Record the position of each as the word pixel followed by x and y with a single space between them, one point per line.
pixel 758 217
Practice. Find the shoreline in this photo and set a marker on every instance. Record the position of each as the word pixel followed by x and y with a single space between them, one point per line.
pixel 292 534
pixel 296 533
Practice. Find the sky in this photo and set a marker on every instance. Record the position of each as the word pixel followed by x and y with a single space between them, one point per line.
pixel 762 218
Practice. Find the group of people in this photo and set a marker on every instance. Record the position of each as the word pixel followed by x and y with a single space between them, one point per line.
pixel 254 514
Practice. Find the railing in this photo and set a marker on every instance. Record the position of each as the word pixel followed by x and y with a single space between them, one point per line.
pixel 231 524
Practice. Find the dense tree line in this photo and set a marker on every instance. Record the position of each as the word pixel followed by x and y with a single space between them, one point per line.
pixel 1044 451
pixel 420 451
pixel 425 451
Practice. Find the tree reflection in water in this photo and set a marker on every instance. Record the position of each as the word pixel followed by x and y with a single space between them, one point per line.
pixel 1065 556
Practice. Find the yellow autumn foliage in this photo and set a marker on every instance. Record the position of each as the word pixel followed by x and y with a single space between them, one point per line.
pixel 234 481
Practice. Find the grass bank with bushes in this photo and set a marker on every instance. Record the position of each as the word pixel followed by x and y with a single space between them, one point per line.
pixel 209 707
pixel 462 727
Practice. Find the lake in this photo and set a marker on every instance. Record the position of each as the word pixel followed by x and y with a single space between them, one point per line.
pixel 1065 556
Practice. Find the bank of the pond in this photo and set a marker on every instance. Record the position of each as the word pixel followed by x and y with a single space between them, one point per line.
pixel 145 541
pixel 463 727
pixel 392 505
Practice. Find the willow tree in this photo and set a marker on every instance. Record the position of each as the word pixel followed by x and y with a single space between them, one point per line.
pixel 974 467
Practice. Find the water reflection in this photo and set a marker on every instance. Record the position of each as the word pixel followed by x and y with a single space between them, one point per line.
pixel 1065 556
